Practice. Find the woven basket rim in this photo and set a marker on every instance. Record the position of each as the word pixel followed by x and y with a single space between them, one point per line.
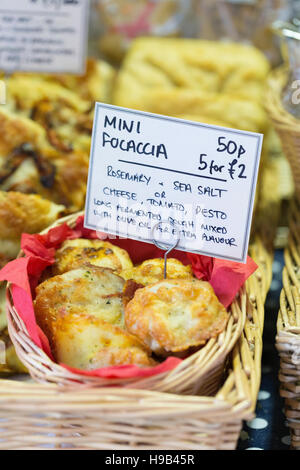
pixel 42 368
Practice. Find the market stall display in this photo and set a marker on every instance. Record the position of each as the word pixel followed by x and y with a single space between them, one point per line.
pixel 119 346
pixel 132 419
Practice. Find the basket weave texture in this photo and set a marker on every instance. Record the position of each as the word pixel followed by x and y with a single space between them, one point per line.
pixel 286 125
pixel 201 373
pixel 288 328
pixel 44 415
pixel 37 416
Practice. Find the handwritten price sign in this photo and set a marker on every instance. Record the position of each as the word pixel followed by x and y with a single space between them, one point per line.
pixel 234 168
pixel 199 179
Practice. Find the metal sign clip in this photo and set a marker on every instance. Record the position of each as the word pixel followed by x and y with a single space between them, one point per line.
pixel 167 247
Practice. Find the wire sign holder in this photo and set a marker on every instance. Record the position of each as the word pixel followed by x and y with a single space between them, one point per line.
pixel 167 247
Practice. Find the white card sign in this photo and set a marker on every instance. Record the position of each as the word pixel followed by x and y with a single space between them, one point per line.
pixel 197 180
pixel 46 36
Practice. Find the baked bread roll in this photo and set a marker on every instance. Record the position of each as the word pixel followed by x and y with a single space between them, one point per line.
pixel 90 343
pixel 89 290
pixel 82 315
pixel 175 315
pixel 29 164
pixel 65 117
pixel 152 271
pixel 75 253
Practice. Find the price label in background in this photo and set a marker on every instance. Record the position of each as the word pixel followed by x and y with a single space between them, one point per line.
pixel 46 36
pixel 200 180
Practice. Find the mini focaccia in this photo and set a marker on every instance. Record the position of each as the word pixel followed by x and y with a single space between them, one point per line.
pixel 75 253
pixel 66 118
pixel 90 343
pixel 175 315
pixel 95 85
pixel 93 291
pixel 29 164
pixel 23 213
pixel 152 271
pixel 81 313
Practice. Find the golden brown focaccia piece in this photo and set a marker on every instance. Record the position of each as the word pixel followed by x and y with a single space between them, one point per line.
pixel 23 213
pixel 75 253
pixel 95 85
pixel 175 315
pixel 28 164
pixel 90 343
pixel 66 118
pixel 93 291
pixel 210 82
pixel 24 92
pixel 152 271
pixel 17 130
pixel 236 69
pixel 81 313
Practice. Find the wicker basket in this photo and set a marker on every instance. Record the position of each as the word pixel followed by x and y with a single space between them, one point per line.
pixel 40 415
pixel 287 126
pixel 201 373
pixel 288 328
pixel 37 416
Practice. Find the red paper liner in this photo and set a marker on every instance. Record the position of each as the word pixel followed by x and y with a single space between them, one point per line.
pixel 24 273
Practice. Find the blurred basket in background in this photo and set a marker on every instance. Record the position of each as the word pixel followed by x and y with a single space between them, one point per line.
pixel 288 328
pixel 286 125
pixel 243 21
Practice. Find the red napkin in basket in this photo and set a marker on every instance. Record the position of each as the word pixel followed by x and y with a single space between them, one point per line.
pixel 23 273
